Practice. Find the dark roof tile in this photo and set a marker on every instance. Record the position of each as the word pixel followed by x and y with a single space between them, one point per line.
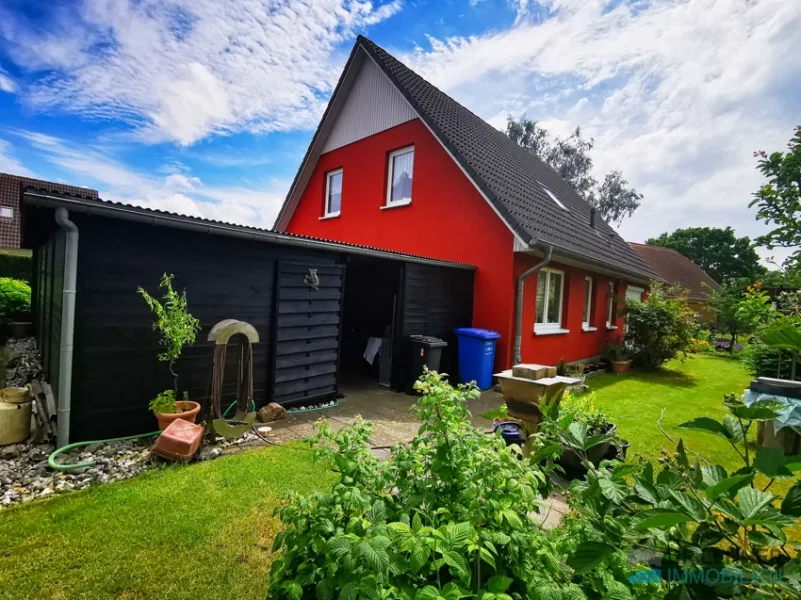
pixel 674 267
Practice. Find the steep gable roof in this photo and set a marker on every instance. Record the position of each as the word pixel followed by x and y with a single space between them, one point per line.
pixel 513 180
pixel 674 267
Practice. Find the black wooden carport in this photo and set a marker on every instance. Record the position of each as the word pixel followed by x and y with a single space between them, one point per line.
pixel 228 271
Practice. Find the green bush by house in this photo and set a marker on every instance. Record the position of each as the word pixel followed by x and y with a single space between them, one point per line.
pixel 15 299
pixel 16 264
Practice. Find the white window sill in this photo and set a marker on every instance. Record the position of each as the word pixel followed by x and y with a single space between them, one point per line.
pixel 397 204
pixel 611 327
pixel 587 328
pixel 550 331
pixel 329 216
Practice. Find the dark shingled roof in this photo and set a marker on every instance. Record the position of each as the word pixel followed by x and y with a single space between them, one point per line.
pixel 511 177
pixel 674 267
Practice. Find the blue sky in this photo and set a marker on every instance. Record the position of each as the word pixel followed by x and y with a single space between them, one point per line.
pixel 206 107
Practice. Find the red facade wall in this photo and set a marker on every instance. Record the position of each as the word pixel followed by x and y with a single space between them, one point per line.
pixel 577 344
pixel 447 219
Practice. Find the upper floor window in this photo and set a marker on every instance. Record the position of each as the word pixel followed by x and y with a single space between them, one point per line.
pixel 401 173
pixel 333 193
pixel 550 293
pixel 587 314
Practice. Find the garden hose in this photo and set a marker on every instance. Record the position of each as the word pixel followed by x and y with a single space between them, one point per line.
pixel 51 461
pixel 230 406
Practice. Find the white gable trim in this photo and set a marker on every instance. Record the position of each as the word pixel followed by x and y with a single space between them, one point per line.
pixel 338 106
pixel 373 105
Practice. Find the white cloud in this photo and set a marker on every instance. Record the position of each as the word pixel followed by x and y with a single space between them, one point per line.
pixel 6 83
pixel 179 181
pixel 179 70
pixel 179 192
pixel 10 164
pixel 677 94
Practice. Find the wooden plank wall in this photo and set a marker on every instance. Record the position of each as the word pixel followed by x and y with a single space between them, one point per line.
pixel 308 324
pixel 116 370
pixel 436 300
pixel 47 301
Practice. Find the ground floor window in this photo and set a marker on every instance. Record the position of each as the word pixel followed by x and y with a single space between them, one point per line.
pixel 587 315
pixel 550 294
pixel 611 305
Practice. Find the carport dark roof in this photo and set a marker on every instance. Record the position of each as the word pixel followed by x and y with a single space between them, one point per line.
pixel 109 208
pixel 511 178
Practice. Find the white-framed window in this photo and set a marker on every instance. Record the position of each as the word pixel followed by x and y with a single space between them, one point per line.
pixel 550 296
pixel 634 294
pixel 401 174
pixel 6 212
pixel 587 314
pixel 611 305
pixel 333 193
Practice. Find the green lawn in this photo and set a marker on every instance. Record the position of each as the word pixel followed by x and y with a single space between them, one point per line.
pixel 200 531
pixel 689 389
pixel 686 390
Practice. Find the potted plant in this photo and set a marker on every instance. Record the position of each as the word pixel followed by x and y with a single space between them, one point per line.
pixel 579 433
pixel 178 329
pixel 15 306
pixel 618 356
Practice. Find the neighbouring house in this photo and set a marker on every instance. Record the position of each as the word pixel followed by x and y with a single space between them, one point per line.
pixel 397 164
pixel 675 268
pixel 12 188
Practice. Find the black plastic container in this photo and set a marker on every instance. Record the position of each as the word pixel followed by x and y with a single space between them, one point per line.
pixel 426 352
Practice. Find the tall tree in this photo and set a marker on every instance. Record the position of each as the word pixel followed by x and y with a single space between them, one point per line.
pixel 717 251
pixel 570 157
pixel 778 202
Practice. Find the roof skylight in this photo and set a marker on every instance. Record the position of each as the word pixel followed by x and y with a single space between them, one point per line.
pixel 555 199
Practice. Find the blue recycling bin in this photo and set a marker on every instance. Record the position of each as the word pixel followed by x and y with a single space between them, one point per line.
pixel 476 355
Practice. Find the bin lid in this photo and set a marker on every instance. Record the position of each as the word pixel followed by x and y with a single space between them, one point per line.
pixel 427 340
pixel 482 334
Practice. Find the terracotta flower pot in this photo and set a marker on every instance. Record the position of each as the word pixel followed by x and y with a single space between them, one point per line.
pixel 620 366
pixel 187 411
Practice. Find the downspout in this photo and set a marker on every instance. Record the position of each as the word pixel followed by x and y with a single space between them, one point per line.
pixel 519 308
pixel 67 327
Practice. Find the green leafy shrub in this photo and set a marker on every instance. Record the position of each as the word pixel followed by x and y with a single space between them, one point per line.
pixel 173 320
pixel 699 518
pixel 762 360
pixel 16 265
pixel 447 516
pixel 15 300
pixel 658 328
pixel 163 403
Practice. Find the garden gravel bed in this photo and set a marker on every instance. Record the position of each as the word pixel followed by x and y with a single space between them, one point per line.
pixel 25 476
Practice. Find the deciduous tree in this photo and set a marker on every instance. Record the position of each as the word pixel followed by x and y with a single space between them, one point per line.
pixel 717 251
pixel 570 157
pixel 778 202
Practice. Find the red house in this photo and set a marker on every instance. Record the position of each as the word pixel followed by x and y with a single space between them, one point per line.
pixel 396 164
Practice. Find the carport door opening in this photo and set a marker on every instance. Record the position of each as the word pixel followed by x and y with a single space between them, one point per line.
pixel 368 320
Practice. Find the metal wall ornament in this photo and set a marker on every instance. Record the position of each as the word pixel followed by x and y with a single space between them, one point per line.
pixel 312 280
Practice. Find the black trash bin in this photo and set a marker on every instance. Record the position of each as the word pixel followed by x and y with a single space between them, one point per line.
pixel 426 352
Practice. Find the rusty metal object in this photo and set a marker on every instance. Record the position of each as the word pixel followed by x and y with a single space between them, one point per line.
pixel 243 335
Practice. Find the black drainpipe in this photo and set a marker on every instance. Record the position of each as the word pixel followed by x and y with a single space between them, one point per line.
pixel 519 308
